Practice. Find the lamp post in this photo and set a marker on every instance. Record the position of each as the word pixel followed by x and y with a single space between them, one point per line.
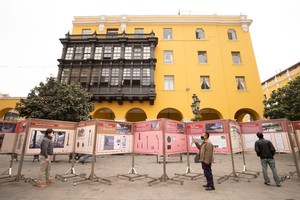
pixel 196 108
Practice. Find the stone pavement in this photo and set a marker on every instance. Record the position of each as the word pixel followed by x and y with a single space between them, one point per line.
pixel 110 166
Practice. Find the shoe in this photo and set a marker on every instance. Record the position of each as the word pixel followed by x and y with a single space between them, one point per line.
pixel 49 181
pixel 40 185
pixel 205 185
pixel 267 183
pixel 278 185
pixel 210 188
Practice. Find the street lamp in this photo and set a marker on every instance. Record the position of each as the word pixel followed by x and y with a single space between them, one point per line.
pixel 196 108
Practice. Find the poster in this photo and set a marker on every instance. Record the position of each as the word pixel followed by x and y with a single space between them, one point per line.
pixel 8 136
pixel 114 137
pixel 85 137
pixel 235 134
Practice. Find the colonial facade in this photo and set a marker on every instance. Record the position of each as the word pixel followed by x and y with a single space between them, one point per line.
pixel 148 67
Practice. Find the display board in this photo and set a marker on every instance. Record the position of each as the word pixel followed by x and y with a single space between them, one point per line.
pixel 220 131
pixel 114 137
pixel 296 125
pixel 63 139
pixel 148 137
pixel 276 131
pixel 8 136
pixel 85 134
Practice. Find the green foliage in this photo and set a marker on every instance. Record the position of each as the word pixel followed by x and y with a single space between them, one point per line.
pixel 57 101
pixel 284 102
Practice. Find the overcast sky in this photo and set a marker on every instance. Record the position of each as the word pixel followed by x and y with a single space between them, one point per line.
pixel 30 32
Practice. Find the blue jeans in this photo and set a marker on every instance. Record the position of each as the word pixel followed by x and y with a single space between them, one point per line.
pixel 271 162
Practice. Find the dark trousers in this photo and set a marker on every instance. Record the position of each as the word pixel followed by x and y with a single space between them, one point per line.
pixel 208 174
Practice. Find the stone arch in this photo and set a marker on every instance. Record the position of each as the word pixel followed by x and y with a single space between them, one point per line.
pixel 135 114
pixel 246 114
pixel 104 113
pixel 170 113
pixel 210 114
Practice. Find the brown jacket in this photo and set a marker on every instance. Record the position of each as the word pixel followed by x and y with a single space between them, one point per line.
pixel 206 151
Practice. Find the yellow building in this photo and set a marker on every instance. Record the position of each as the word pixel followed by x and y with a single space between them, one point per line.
pixel 280 80
pixel 148 67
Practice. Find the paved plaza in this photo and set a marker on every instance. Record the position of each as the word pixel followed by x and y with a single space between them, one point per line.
pixel 120 187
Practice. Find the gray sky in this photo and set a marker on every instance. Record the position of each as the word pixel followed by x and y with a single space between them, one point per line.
pixel 30 32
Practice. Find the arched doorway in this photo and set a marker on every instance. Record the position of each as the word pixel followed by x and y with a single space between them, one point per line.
pixel 170 113
pixel 210 114
pixel 246 115
pixel 104 113
pixel 135 115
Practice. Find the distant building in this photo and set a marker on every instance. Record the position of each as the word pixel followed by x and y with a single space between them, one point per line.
pixel 280 80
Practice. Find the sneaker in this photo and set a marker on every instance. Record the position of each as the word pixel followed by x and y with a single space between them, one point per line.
pixel 49 181
pixel 210 188
pixel 40 185
pixel 267 183
pixel 205 185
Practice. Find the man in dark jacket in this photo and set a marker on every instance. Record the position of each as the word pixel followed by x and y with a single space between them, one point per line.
pixel 266 151
pixel 46 156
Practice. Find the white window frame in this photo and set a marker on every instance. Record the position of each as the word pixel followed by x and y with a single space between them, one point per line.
pixel 168 57
pixel 205 83
pixel 168 34
pixel 202 57
pixel 231 34
pixel 240 83
pixel 169 82
pixel 236 57
pixel 200 34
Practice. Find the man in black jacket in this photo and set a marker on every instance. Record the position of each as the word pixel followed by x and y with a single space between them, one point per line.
pixel 266 151
pixel 46 156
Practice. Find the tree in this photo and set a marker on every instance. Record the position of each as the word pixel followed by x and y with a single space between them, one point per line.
pixel 57 101
pixel 284 102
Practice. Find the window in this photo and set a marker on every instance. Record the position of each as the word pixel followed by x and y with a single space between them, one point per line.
pixel 98 53
pixel 146 52
pixel 65 75
pixel 200 34
pixel 83 76
pixel 117 53
pixel 107 52
pixel 112 33
pixel 137 53
pixel 169 82
pixel 231 34
pixel 168 34
pixel 126 76
pixel 104 76
pixel 69 54
pixel 236 58
pixel 168 57
pixel 146 76
pixel 202 58
pixel 114 76
pixel 95 76
pixel 87 53
pixel 128 52
pixel 240 82
pixel 205 83
pixel 138 32
pixel 85 33
pixel 136 76
pixel 78 53
pixel 74 75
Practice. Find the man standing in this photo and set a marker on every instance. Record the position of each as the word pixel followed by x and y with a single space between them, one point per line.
pixel 266 151
pixel 206 157
pixel 46 156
